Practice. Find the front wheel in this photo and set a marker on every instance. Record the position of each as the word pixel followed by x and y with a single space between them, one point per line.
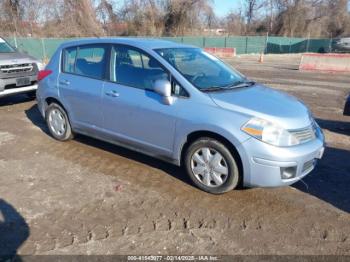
pixel 58 123
pixel 211 166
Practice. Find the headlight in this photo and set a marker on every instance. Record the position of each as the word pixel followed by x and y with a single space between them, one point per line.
pixel 41 66
pixel 269 132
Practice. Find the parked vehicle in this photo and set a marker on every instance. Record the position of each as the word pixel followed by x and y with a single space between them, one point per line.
pixel 183 105
pixel 347 107
pixel 341 45
pixel 18 71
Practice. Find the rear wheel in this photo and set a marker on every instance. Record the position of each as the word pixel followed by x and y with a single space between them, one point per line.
pixel 58 123
pixel 211 166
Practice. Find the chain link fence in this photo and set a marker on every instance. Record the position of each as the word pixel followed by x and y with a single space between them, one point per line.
pixel 43 48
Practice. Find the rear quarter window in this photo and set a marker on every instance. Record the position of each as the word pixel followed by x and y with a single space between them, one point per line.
pixel 69 58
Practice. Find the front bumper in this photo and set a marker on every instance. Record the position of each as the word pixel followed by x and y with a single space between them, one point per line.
pixel 18 90
pixel 264 164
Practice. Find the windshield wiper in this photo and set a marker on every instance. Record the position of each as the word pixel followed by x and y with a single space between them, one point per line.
pixel 212 89
pixel 238 84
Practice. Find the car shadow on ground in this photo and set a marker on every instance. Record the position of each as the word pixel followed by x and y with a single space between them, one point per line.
pixel 175 171
pixel 35 117
pixel 331 179
pixel 335 126
pixel 14 231
pixel 329 182
pixel 33 114
pixel 14 99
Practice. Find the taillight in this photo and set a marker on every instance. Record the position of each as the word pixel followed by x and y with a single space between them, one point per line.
pixel 43 73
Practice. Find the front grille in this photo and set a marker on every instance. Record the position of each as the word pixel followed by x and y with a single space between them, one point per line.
pixel 16 68
pixel 304 135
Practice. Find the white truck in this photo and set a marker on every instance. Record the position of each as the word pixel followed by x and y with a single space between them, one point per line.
pixel 18 71
pixel 341 45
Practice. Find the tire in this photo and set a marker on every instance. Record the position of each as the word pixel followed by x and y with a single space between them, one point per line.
pixel 58 123
pixel 206 149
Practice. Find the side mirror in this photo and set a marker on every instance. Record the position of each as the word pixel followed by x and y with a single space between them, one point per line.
pixel 163 88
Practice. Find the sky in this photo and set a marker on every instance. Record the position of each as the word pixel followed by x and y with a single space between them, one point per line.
pixel 222 7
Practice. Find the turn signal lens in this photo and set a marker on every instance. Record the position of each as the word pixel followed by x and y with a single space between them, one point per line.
pixel 253 131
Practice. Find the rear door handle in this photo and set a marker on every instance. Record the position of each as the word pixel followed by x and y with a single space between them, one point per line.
pixel 64 82
pixel 113 93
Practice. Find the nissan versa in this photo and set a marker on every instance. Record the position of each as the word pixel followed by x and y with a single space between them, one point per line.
pixel 182 105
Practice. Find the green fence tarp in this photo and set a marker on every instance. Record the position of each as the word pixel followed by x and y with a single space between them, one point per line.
pixel 44 48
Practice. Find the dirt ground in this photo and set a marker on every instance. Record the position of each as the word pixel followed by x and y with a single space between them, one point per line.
pixel 89 197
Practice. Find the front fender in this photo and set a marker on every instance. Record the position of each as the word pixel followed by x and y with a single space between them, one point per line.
pixel 221 122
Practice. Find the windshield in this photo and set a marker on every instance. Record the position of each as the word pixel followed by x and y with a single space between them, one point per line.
pixel 5 47
pixel 203 70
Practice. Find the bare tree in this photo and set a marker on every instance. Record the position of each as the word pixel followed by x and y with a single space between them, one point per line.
pixel 234 23
pixel 251 9
pixel 11 14
pixel 107 16
pixel 70 18
pixel 143 17
pixel 339 19
pixel 79 18
pixel 184 16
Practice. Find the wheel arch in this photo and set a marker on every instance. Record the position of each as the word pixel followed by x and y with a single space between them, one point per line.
pixel 50 100
pixel 199 134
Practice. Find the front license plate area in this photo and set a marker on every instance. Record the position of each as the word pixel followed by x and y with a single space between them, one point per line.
pixel 25 81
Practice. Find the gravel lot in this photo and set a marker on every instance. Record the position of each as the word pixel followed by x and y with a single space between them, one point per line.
pixel 89 197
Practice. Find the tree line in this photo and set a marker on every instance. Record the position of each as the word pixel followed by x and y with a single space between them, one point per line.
pixel 77 18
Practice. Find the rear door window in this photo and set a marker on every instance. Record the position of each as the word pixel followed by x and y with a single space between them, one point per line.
pixel 87 60
pixel 91 61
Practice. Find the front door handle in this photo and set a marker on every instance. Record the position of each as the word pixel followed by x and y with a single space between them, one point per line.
pixel 112 93
pixel 64 82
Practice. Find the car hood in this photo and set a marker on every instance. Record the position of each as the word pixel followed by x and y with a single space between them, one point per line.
pixel 266 103
pixel 16 58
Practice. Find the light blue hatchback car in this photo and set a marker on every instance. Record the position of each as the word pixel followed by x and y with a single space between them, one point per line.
pixel 182 105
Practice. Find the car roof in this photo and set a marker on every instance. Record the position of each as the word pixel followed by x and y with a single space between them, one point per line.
pixel 143 43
